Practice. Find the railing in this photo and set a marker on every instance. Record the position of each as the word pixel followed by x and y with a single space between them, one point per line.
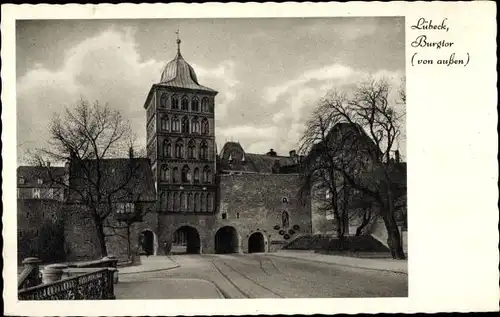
pixel 93 285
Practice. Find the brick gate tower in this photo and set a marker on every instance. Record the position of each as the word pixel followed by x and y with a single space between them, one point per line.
pixel 181 144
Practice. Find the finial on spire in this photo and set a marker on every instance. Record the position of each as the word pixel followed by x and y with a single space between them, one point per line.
pixel 178 42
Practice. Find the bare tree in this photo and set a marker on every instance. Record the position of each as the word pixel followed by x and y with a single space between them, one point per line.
pixel 85 137
pixel 359 152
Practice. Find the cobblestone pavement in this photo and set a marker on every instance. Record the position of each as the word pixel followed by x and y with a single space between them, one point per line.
pixel 261 276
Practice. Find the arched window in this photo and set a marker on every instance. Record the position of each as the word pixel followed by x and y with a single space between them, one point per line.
pixel 175 124
pixel 163 201
pixel 175 102
pixel 167 148
pixel 165 123
pixel 186 174
pixel 191 147
pixel 196 175
pixel 190 202
pixel 204 104
pixel 183 201
pixel 165 174
pixel 206 175
pixel 163 100
pixel 203 204
pixel 185 125
pixel 196 202
pixel 209 202
pixel 195 125
pixel 195 104
pixel 170 202
pixel 204 126
pixel 176 201
pixel 185 103
pixel 203 150
pixel 179 149
pixel 175 175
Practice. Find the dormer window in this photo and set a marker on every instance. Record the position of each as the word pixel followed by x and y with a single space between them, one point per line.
pixel 39 181
pixel 21 180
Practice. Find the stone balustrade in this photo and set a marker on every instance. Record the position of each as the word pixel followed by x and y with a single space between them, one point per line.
pixel 80 280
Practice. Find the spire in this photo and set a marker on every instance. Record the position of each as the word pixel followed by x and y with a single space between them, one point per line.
pixel 178 43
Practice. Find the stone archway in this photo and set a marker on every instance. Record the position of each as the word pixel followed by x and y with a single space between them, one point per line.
pixel 226 240
pixel 186 239
pixel 256 243
pixel 148 242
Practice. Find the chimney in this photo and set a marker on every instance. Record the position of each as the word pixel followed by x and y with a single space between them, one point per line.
pixel 397 156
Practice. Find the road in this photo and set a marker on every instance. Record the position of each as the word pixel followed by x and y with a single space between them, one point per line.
pixel 259 276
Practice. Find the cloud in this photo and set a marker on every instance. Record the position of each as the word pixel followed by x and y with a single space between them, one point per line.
pixel 293 100
pixel 106 67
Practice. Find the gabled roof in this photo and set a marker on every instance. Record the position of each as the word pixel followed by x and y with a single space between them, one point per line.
pixel 123 179
pixel 31 174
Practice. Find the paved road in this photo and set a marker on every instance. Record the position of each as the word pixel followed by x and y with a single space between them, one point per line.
pixel 259 276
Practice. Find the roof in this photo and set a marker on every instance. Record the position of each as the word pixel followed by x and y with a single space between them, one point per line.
pixel 179 74
pixel 123 179
pixel 234 158
pixel 31 175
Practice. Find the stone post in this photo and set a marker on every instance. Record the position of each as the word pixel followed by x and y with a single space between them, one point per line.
pixel 113 263
pixel 34 278
pixel 53 272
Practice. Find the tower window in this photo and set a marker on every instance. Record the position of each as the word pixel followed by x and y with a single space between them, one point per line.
pixel 224 215
pixel 185 103
pixel 238 215
pixel 204 104
pixel 204 126
pixel 175 176
pixel 186 174
pixel 203 150
pixel 165 173
pixel 195 125
pixel 195 104
pixel 190 202
pixel 185 125
pixel 163 100
pixel 167 148
pixel 196 175
pixel 196 202
pixel 207 175
pixel 179 149
pixel 191 148
pixel 175 124
pixel 165 123
pixel 175 102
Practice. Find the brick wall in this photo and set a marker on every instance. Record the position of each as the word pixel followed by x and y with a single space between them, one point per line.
pixel 254 202
pixel 40 229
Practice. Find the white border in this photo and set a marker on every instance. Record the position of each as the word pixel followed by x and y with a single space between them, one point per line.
pixel 452 168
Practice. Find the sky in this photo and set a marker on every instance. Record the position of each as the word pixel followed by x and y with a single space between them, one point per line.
pixel 269 73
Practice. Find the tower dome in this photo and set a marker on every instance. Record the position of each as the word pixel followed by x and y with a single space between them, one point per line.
pixel 178 73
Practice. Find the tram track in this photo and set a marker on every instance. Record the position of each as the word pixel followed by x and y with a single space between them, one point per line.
pixel 254 289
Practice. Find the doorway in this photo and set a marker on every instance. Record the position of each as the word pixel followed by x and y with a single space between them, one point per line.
pixel 256 243
pixel 226 240
pixel 186 240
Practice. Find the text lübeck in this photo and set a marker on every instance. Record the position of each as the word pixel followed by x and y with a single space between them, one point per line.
pixel 423 24
pixel 422 41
